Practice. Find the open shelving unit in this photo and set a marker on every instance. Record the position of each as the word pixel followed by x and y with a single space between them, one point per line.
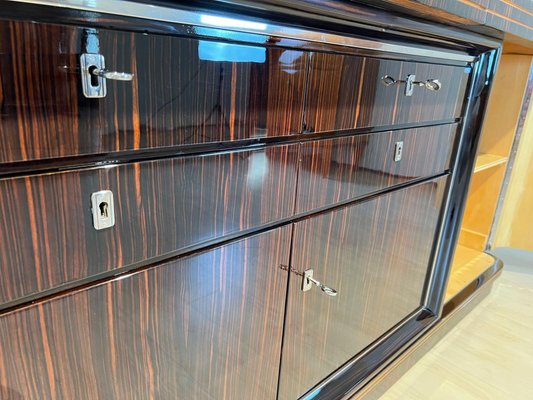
pixel 494 149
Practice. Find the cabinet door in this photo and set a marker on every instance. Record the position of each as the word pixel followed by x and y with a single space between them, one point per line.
pixel 207 326
pixel 376 255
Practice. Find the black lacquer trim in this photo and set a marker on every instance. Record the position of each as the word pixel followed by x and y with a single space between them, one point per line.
pixel 361 368
pixel 45 166
pixel 97 279
pixel 461 176
pixel 436 269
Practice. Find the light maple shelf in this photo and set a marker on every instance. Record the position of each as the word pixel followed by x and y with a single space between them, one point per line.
pixel 468 265
pixel 486 161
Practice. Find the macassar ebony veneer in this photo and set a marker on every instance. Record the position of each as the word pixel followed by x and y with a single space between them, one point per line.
pixel 344 168
pixel 347 92
pixel 279 199
pixel 376 254
pixel 47 237
pixel 203 327
pixel 184 91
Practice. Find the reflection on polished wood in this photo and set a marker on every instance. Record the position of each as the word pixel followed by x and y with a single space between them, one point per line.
pixel 341 169
pixel 376 255
pixel 48 237
pixel 185 91
pixel 203 327
pixel 346 92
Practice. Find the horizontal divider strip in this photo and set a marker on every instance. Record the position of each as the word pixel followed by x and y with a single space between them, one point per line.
pixel 100 279
pixel 46 166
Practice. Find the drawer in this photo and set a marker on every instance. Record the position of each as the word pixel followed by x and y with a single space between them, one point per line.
pixel 47 236
pixel 184 91
pixel 376 254
pixel 347 92
pixel 340 169
pixel 203 327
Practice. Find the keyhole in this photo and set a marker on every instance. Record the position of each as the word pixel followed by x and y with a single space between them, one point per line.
pixel 103 209
pixel 94 78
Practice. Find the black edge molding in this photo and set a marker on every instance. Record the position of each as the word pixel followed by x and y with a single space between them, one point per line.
pixel 466 293
pixel 461 176
pixel 363 367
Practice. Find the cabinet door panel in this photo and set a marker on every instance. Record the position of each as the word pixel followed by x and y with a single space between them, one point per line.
pixel 376 254
pixel 347 92
pixel 204 327
pixel 184 91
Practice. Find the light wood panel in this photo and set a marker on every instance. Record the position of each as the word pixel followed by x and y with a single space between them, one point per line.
pixel 514 228
pixel 467 265
pixel 482 200
pixel 499 129
pixel 504 105
pixel 486 161
pixel 474 240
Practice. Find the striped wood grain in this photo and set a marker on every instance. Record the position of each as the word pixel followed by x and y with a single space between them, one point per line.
pixel 47 236
pixel 376 255
pixel 204 327
pixel 185 91
pixel 341 169
pixel 346 92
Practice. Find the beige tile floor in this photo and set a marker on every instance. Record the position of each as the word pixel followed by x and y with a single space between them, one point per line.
pixel 489 354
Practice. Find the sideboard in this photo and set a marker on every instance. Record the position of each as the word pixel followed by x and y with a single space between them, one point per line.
pixel 204 203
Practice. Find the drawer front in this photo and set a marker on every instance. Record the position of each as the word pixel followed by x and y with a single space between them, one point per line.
pixel 336 170
pixel 203 327
pixel 184 91
pixel 347 92
pixel 48 238
pixel 376 255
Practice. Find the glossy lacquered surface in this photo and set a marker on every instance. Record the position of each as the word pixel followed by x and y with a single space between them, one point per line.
pixel 188 91
pixel 341 169
pixel 47 236
pixel 268 129
pixel 184 91
pixel 204 327
pixel 347 92
pixel 376 254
